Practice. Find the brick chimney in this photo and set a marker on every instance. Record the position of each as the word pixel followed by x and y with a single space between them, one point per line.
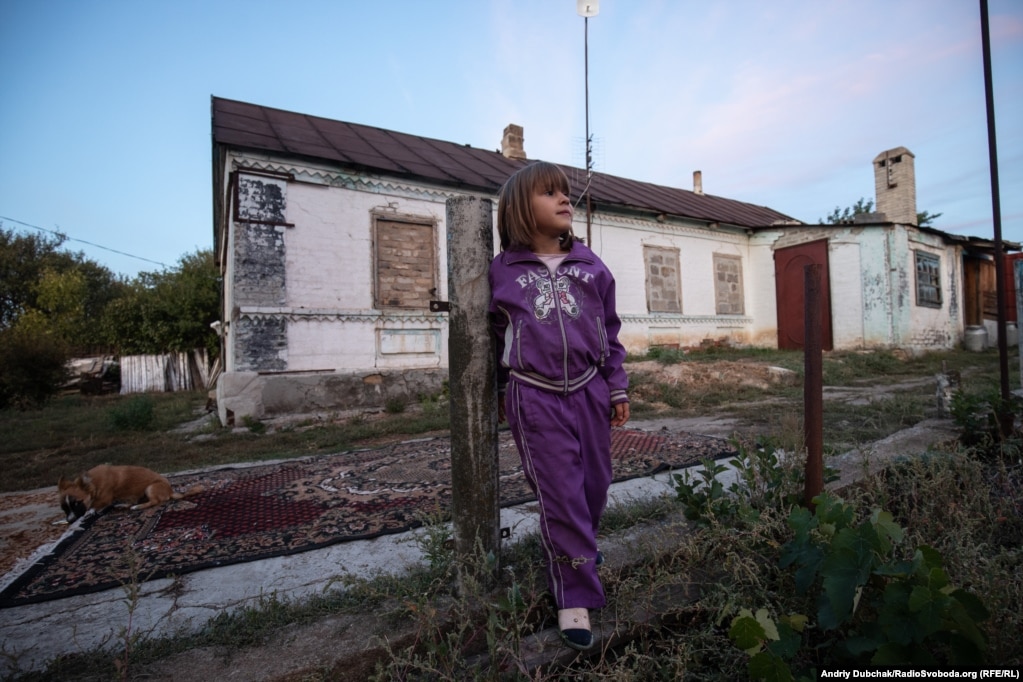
pixel 697 182
pixel 895 185
pixel 511 143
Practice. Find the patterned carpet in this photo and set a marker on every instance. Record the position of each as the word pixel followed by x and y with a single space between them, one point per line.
pixel 251 513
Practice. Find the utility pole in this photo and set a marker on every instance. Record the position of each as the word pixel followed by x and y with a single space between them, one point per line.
pixel 1005 420
pixel 472 379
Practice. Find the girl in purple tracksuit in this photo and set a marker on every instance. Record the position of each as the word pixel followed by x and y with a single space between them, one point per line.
pixel 561 379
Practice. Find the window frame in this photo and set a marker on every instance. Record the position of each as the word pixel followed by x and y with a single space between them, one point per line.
pixel 423 301
pixel 675 254
pixel 717 282
pixel 928 293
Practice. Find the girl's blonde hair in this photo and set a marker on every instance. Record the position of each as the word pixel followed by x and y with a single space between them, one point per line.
pixel 515 224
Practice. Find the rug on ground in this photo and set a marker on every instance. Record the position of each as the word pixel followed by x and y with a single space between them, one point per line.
pixel 257 512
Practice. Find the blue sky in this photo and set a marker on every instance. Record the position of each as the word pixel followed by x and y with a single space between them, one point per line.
pixel 105 116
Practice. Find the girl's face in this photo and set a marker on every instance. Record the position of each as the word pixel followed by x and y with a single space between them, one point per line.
pixel 552 212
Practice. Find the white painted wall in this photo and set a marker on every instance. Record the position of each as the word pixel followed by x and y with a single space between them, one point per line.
pixel 332 323
pixel 846 292
pixel 619 241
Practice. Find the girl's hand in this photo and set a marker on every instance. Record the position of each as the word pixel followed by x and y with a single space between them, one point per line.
pixel 620 414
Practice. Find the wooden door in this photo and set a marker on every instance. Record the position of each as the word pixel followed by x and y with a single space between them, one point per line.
pixel 980 299
pixel 789 279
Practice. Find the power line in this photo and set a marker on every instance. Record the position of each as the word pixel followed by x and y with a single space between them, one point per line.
pixel 73 239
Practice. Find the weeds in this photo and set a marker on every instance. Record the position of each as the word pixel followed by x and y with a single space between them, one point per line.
pixel 253 424
pixel 988 423
pixel 134 414
pixel 871 606
pixel 394 406
pixel 764 477
pixel 128 636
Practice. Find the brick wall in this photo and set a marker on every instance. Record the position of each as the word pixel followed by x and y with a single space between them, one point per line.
pixel 405 264
pixel 261 344
pixel 895 185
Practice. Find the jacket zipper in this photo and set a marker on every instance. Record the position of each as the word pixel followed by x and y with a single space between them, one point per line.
pixel 564 338
pixel 602 333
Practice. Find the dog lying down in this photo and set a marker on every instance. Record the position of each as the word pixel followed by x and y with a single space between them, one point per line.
pixel 106 484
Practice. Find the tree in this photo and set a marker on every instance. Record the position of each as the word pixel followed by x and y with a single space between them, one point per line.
pixel 50 303
pixel 54 302
pixel 926 218
pixel 838 216
pixel 33 362
pixel 170 310
pixel 35 274
pixel 22 260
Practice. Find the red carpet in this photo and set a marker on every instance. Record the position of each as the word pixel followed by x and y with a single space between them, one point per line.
pixel 250 513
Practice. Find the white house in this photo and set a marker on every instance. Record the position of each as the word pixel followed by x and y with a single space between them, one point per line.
pixel 332 241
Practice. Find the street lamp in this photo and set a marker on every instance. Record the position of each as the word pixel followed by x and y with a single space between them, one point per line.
pixel 587 9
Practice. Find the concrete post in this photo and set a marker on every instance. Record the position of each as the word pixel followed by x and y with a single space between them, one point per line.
pixel 475 505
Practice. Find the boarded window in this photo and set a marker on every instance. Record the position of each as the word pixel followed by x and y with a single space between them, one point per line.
pixel 663 280
pixel 928 280
pixel 406 264
pixel 728 295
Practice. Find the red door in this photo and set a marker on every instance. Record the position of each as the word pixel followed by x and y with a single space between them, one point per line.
pixel 789 280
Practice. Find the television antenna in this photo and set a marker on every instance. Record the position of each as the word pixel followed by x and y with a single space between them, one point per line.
pixel 587 9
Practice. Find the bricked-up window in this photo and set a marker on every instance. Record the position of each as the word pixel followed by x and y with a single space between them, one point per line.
pixel 728 297
pixel 406 264
pixel 663 280
pixel 928 280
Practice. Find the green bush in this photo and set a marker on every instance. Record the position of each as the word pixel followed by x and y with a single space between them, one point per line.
pixel 394 405
pixel 980 417
pixel 33 366
pixel 850 594
pixel 134 414
pixel 765 477
pixel 873 607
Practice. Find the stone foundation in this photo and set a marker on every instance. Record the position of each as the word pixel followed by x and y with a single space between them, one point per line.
pixel 267 396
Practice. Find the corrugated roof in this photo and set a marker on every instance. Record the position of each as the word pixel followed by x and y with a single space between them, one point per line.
pixel 379 151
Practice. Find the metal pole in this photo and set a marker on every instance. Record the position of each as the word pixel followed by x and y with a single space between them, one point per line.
pixel 589 149
pixel 996 211
pixel 475 505
pixel 813 384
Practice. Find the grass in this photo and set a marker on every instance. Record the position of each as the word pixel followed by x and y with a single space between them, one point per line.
pixel 777 409
pixel 74 433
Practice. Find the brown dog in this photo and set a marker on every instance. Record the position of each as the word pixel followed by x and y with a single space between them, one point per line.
pixel 104 485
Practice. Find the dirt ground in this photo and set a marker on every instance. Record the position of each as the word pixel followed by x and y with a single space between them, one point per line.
pixel 26 523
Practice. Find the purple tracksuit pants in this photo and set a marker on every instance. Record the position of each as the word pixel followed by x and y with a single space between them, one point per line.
pixel 565 445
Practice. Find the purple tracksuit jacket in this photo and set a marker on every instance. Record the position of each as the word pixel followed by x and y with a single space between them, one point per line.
pixel 559 372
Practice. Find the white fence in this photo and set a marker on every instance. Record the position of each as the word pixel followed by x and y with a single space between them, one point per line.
pixel 181 371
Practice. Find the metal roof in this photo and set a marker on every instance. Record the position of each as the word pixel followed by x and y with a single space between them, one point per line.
pixel 386 152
